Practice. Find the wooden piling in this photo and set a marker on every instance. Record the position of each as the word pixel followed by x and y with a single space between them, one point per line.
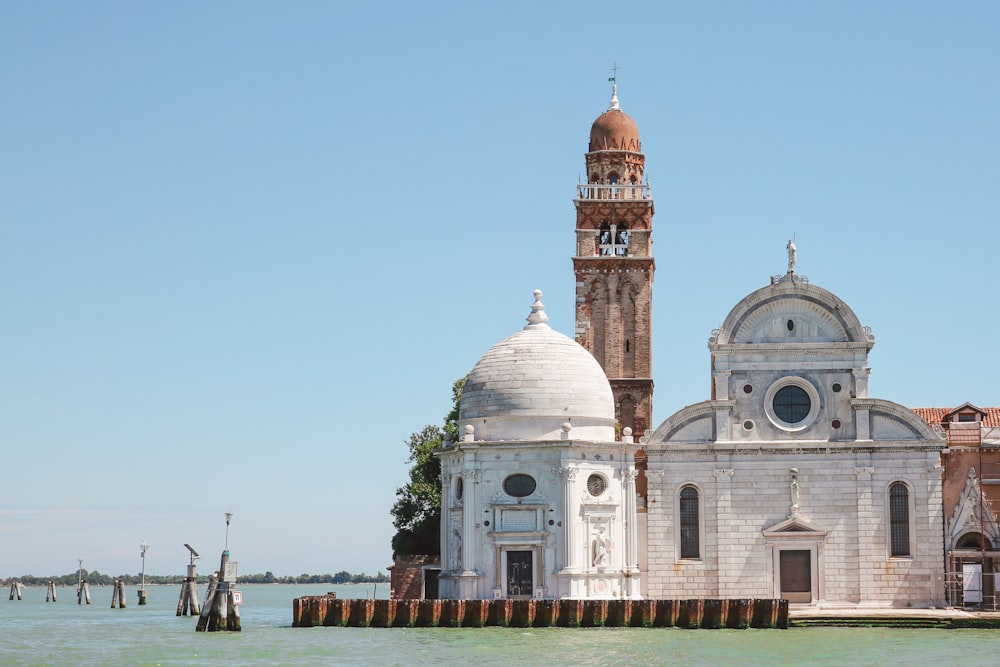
pixel 740 614
pixel 220 613
pixel 118 594
pixel 643 613
pixel 362 612
pixel 385 613
pixel 429 613
pixel 452 614
pixel 693 613
pixel 188 603
pixel 713 614
pixel 83 592
pixel 16 589
pixel 50 592
pixel 407 613
pixel 595 613
pixel 546 613
pixel 500 612
pixel 338 612
pixel 523 614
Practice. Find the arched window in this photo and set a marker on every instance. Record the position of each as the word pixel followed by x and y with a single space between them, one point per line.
pixel 899 520
pixel 689 523
pixel 612 240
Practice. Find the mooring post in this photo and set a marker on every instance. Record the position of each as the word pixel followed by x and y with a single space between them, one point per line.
pixel 50 592
pixel 189 589
pixel 82 592
pixel 16 588
pixel 142 581
pixel 221 610
pixel 118 594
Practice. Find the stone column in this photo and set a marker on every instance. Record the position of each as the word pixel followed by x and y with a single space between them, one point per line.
pixel 631 554
pixel 726 540
pixel 721 384
pixel 861 382
pixel 571 557
pixel 871 549
pixel 862 413
pixel 470 515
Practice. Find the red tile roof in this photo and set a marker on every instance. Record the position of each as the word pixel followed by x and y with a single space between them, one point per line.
pixel 933 416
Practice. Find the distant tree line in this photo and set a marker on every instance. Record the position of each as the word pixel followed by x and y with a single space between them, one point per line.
pixel 95 578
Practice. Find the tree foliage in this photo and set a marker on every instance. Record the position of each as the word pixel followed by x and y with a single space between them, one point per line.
pixel 417 510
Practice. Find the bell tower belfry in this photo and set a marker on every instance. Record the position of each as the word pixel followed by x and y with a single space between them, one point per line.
pixel 614 264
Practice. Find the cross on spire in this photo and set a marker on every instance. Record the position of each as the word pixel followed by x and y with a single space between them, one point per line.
pixel 614 87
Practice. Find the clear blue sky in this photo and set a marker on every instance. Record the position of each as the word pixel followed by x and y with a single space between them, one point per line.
pixel 247 247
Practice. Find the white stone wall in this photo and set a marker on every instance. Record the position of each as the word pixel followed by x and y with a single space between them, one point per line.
pixel 558 523
pixel 842 492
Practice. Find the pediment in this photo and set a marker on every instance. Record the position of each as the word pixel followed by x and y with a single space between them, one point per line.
pixel 972 514
pixel 796 527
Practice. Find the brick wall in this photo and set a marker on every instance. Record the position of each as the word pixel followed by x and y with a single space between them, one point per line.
pixel 406 576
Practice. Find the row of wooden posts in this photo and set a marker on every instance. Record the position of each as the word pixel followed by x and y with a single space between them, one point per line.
pixel 328 610
pixel 82 593
pixel 220 612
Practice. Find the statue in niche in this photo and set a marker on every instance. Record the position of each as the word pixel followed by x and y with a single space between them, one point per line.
pixel 602 544
pixel 795 491
pixel 456 548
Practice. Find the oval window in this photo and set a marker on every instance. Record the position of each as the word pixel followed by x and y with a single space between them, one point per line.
pixel 519 485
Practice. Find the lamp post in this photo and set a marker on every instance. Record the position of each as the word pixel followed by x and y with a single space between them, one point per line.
pixel 229 517
pixel 142 581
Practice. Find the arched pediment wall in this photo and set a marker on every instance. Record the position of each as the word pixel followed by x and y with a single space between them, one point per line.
pixel 892 421
pixel 818 316
pixel 695 423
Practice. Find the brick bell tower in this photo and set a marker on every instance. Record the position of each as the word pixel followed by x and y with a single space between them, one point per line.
pixel 614 264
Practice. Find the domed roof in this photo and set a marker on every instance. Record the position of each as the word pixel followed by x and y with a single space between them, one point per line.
pixel 527 386
pixel 614 130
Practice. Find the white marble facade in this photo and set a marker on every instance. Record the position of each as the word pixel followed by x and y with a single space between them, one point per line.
pixel 538 497
pixel 796 483
pixel 790 481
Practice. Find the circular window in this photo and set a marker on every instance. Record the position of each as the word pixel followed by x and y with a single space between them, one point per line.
pixel 792 403
pixel 596 485
pixel 835 423
pixel 748 425
pixel 836 387
pixel 519 485
pixel 748 389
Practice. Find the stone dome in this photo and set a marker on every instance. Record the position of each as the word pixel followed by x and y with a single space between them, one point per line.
pixel 538 385
pixel 614 130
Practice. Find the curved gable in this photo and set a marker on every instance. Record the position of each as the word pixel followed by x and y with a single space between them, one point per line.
pixel 892 421
pixel 817 316
pixel 695 423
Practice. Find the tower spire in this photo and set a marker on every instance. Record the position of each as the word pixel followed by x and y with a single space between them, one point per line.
pixel 614 106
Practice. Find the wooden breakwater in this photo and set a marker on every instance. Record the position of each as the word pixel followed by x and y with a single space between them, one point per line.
pixel 329 610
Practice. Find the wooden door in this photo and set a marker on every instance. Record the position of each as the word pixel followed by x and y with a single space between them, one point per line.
pixel 795 575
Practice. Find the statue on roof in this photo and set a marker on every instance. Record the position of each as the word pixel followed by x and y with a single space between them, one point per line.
pixel 792 254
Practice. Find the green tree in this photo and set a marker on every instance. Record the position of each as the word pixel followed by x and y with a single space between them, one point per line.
pixel 417 510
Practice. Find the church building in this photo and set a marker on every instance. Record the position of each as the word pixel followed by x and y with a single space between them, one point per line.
pixel 790 481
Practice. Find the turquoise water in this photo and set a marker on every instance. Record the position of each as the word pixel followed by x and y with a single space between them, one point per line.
pixel 39 633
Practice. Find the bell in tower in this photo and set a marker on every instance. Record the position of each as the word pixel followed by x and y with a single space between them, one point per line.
pixel 614 263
